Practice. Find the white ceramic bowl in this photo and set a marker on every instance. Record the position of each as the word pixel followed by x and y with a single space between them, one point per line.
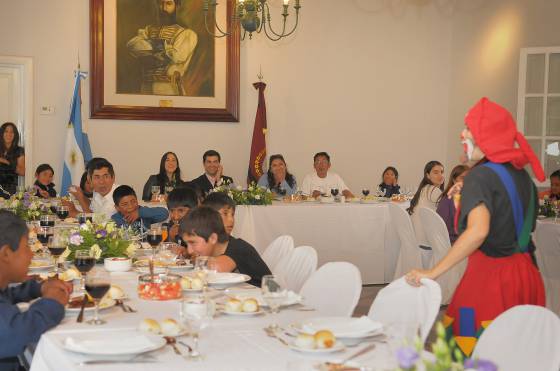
pixel 118 264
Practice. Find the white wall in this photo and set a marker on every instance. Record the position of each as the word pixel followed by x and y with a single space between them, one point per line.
pixel 485 54
pixel 366 80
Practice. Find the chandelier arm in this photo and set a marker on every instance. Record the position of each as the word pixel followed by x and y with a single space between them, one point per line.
pixel 295 26
pixel 222 34
pixel 270 24
pixel 279 37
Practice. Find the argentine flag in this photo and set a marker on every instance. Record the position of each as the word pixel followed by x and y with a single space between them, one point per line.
pixel 77 151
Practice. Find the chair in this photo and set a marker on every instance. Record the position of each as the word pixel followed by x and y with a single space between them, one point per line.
pixel 525 337
pixel 280 247
pixel 296 267
pixel 334 289
pixel 409 253
pixel 400 302
pixel 438 238
pixel 548 259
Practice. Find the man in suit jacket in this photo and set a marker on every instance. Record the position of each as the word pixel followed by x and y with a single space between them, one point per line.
pixel 213 171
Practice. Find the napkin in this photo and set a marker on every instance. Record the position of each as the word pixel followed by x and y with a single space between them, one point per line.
pixel 343 326
pixel 121 345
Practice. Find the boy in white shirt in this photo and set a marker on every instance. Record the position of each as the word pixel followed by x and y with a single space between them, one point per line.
pixel 321 182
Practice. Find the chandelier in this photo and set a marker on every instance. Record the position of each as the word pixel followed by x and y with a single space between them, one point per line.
pixel 253 16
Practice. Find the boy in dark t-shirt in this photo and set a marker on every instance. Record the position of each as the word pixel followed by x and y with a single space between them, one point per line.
pixel 203 230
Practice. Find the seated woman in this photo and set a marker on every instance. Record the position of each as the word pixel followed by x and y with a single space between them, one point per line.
pixel 428 193
pixel 277 178
pixel 203 230
pixel 43 183
pixel 389 181
pixel 85 186
pixel 554 192
pixel 12 159
pixel 169 176
pixel 446 206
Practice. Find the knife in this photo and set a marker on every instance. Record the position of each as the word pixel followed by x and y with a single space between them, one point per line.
pixel 82 308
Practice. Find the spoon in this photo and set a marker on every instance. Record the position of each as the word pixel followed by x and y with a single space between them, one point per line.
pixel 172 341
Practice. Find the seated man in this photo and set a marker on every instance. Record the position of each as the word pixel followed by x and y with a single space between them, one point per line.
pixel 205 234
pixel 322 181
pixel 213 173
pixel 179 202
pixel 18 329
pixel 102 178
pixel 129 214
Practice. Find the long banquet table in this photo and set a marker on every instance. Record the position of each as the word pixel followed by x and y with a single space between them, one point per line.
pixel 231 343
pixel 361 234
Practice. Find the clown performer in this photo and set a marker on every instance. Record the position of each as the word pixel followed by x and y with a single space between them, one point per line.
pixel 496 215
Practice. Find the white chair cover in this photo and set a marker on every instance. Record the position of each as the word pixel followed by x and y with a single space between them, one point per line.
pixel 548 259
pixel 280 247
pixel 334 289
pixel 409 253
pixel 297 267
pixel 400 302
pixel 525 337
pixel 438 238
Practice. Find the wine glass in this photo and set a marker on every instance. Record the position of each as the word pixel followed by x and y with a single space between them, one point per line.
pixel 62 212
pixel 196 314
pixel 57 244
pixel 84 261
pixel 155 193
pixel 168 189
pixel 154 237
pixel 47 220
pixel 83 218
pixel 166 254
pixel 334 191
pixel 43 234
pixel 365 192
pixel 274 292
pixel 98 283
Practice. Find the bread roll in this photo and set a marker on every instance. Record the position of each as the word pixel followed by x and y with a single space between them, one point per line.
pixel 149 325
pixel 186 283
pixel 250 306
pixel 233 305
pixel 170 327
pixel 305 341
pixel 324 339
pixel 197 284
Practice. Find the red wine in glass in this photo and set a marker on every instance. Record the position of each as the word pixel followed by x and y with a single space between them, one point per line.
pixel 53 209
pixel 154 239
pixel 365 192
pixel 47 223
pixel 62 213
pixel 97 290
pixel 56 251
pixel 84 264
pixel 334 192
pixel 43 237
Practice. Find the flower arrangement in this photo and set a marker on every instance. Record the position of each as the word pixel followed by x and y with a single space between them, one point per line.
pixel 104 239
pixel 253 195
pixel 27 206
pixel 447 355
pixel 548 207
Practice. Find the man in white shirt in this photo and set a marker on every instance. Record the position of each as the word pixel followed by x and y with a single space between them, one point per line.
pixel 322 181
pixel 102 178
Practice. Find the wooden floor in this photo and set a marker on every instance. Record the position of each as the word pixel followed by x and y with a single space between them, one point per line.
pixel 369 293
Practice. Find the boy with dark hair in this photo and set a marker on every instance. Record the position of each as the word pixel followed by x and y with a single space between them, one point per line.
pixel 203 230
pixel 129 213
pixel 18 329
pixel 179 202
pixel 223 204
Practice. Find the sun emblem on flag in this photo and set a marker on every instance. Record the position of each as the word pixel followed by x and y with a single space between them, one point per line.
pixel 73 158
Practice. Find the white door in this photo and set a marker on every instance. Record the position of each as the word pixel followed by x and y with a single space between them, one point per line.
pixel 16 82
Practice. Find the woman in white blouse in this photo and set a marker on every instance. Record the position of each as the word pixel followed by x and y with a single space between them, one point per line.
pixel 427 195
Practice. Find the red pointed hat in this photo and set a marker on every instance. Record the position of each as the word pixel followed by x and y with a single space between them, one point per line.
pixel 495 133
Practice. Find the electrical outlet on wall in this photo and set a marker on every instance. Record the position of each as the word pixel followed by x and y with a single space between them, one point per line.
pixel 46 110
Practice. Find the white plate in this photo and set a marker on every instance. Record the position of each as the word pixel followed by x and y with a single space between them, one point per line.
pixel 104 304
pixel 291 298
pixel 244 314
pixel 343 327
pixel 186 267
pixel 337 347
pixel 227 279
pixel 42 267
pixel 145 270
pixel 104 344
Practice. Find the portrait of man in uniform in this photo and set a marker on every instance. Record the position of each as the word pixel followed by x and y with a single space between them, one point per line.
pixel 163 49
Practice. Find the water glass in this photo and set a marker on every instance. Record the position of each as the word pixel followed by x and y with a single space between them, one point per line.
pixel 196 314
pixel 274 293
pixel 155 193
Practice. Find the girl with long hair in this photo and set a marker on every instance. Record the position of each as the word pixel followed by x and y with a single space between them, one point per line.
pixel 278 179
pixel 169 176
pixel 446 205
pixel 12 158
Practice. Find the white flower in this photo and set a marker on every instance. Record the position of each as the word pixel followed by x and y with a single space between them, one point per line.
pixel 110 227
pixel 251 189
pixel 257 197
pixel 14 203
pixel 95 250
pixel 131 249
pixel 230 194
pixel 239 188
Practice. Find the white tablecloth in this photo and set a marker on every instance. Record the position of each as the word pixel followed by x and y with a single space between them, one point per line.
pixel 231 343
pixel 361 234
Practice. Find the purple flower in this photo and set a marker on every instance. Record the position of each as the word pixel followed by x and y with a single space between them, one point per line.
pixel 407 357
pixel 76 239
pixel 26 203
pixel 26 196
pixel 480 364
pixel 101 233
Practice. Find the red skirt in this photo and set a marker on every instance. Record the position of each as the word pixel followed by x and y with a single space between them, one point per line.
pixel 489 287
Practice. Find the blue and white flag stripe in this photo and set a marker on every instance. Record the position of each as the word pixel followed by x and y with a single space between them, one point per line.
pixel 78 150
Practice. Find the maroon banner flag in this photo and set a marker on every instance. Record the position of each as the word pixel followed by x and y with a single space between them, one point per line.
pixel 258 145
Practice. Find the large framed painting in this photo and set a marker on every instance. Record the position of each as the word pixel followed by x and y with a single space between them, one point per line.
pixel 156 60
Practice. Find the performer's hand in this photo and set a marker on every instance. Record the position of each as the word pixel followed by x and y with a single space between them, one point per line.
pixel 455 189
pixel 414 276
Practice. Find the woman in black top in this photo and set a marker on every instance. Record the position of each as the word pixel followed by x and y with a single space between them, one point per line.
pixel 496 215
pixel 12 158
pixel 169 176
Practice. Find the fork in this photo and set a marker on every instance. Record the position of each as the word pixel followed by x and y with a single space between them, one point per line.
pixel 126 308
pixel 272 334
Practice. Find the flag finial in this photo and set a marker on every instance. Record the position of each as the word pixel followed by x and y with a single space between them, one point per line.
pixel 260 75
